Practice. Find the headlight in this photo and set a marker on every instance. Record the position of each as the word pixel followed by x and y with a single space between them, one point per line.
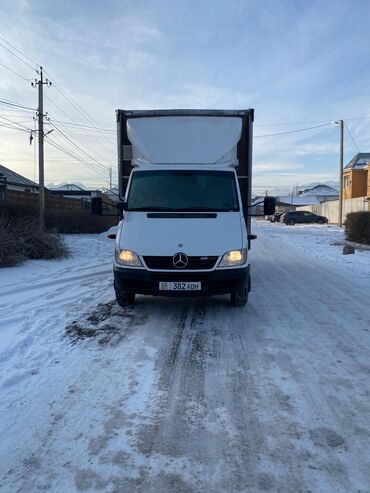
pixel 127 257
pixel 234 258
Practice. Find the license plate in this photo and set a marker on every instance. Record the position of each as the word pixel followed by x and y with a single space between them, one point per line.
pixel 180 286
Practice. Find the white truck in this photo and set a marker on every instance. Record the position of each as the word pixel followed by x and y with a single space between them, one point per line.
pixel 185 184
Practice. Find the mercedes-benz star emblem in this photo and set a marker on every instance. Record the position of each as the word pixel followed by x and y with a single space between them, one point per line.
pixel 180 260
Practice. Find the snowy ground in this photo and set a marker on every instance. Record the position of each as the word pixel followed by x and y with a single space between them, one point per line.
pixel 189 395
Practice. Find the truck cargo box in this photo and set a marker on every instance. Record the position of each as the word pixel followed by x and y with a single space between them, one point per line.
pixel 219 137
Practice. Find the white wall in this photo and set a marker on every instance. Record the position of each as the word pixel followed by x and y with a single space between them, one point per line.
pixel 330 209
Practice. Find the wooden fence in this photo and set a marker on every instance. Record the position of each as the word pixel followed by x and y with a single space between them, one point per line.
pixel 51 201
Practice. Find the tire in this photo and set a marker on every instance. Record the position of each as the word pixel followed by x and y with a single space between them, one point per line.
pixel 124 298
pixel 321 221
pixel 291 222
pixel 240 297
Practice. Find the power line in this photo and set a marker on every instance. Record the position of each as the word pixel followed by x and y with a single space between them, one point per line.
pixel 58 87
pixel 16 105
pixel 16 123
pixel 20 52
pixel 58 146
pixel 109 149
pixel 89 127
pixel 289 123
pixel 12 127
pixel 353 140
pixel 14 158
pixel 366 117
pixel 294 131
pixel 71 100
pixel 59 108
pixel 13 122
pixel 34 66
pixel 58 140
pixel 77 157
pixel 17 113
pixel 77 106
pixel 358 118
pixel 14 72
pixel 78 147
pixel 16 56
pixel 68 116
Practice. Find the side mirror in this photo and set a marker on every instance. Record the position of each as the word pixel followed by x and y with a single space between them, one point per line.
pixel 269 205
pixel 96 206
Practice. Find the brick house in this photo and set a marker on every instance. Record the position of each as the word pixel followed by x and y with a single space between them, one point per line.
pixel 356 177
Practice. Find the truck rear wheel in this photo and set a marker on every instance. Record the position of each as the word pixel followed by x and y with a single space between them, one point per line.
pixel 124 298
pixel 240 297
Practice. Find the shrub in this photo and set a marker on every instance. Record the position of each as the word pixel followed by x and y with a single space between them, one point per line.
pixel 21 238
pixel 9 253
pixel 357 227
pixel 13 212
pixel 39 245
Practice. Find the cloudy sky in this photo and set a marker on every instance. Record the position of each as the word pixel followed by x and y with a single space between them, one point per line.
pixel 299 63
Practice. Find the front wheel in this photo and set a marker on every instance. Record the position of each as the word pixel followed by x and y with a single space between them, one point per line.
pixel 291 222
pixel 240 297
pixel 124 298
pixel 321 221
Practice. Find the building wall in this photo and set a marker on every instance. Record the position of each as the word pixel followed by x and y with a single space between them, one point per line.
pixel 347 184
pixel 358 184
pixel 331 209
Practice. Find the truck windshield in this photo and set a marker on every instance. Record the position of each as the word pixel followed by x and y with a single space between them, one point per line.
pixel 183 190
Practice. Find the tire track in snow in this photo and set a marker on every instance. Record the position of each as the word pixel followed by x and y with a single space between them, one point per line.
pixel 306 324
pixel 205 397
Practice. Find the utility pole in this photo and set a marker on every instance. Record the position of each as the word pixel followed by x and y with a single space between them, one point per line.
pixel 340 208
pixel 40 114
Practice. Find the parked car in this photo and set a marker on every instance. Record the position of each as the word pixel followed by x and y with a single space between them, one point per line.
pixel 302 217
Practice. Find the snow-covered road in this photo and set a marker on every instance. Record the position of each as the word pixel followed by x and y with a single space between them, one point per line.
pixel 189 395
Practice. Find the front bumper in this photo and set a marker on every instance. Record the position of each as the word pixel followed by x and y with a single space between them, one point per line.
pixel 141 281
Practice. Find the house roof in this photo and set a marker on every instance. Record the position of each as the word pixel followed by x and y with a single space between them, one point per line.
pixel 14 178
pixel 320 190
pixel 300 200
pixel 359 161
pixel 67 186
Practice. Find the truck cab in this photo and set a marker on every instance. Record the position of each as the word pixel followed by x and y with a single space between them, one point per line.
pixel 186 189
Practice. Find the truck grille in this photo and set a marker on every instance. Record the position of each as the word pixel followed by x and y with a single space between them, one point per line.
pixel 194 263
